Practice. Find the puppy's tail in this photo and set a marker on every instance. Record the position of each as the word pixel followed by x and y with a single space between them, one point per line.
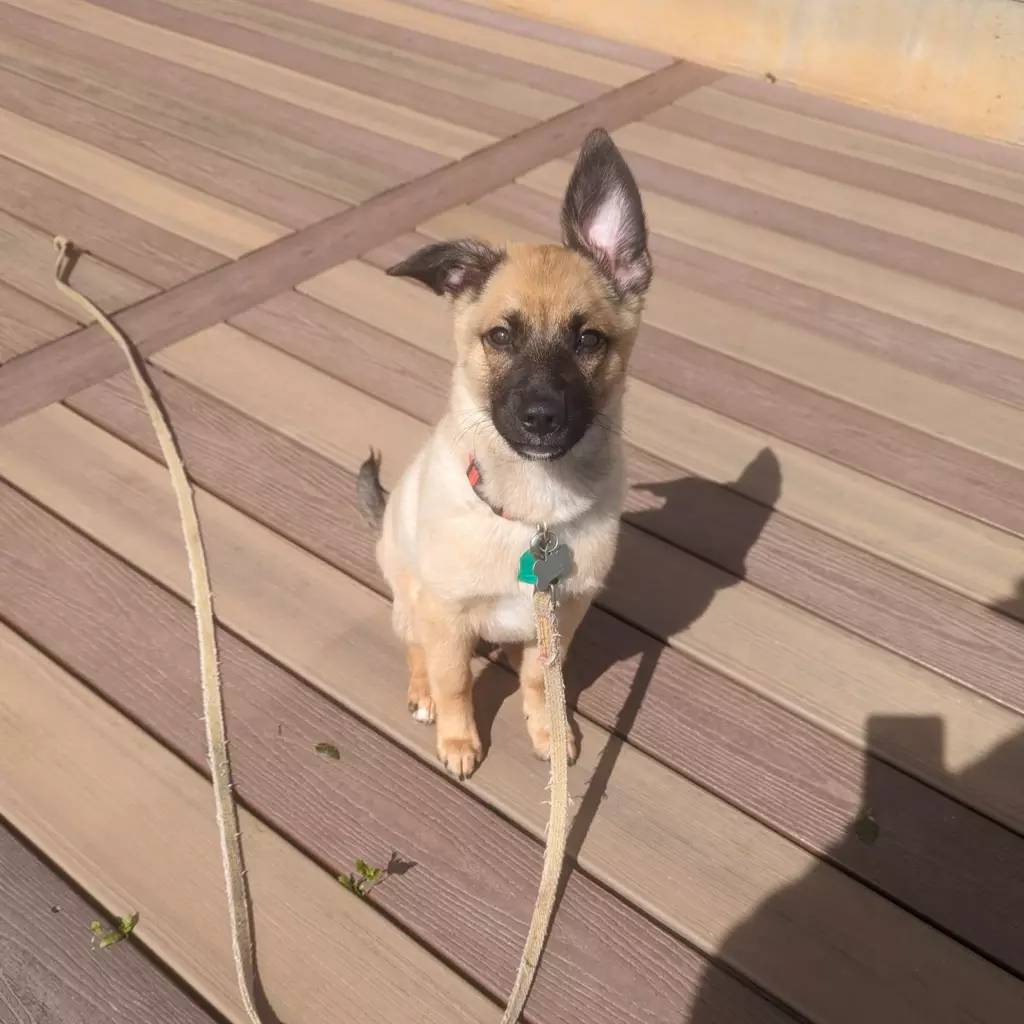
pixel 370 494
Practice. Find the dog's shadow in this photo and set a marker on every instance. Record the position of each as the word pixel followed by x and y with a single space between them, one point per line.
pixel 665 596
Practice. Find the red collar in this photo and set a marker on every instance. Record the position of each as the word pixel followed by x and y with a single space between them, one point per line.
pixel 476 481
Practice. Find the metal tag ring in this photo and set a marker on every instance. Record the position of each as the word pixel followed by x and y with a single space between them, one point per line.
pixel 544 543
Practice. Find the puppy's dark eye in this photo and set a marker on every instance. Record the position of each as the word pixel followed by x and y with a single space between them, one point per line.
pixel 589 342
pixel 498 337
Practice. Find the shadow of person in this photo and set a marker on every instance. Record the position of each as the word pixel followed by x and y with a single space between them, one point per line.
pixel 1012 606
pixel 953 867
pixel 664 590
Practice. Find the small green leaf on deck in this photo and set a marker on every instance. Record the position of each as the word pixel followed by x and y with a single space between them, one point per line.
pixel 102 937
pixel 866 828
pixel 328 751
pixel 370 874
pixel 364 879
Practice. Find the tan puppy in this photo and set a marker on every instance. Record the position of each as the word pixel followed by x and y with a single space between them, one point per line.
pixel 532 438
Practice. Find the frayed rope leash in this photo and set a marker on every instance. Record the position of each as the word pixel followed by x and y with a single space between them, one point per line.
pixel 213 702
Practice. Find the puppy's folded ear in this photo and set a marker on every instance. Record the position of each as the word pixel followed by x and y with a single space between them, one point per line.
pixel 603 215
pixel 451 268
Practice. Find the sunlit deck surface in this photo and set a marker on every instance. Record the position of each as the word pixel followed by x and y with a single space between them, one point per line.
pixel 800 698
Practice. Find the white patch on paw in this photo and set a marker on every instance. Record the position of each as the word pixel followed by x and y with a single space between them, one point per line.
pixel 422 715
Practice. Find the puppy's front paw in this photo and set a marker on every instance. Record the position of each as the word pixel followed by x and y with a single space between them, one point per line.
pixel 540 737
pixel 459 754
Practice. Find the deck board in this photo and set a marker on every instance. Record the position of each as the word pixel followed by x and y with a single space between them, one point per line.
pixel 796 386
pixel 877 127
pixel 452 848
pixel 292 607
pixel 129 243
pixel 49 971
pixel 874 598
pixel 796 649
pixel 26 323
pixel 799 697
pixel 872 514
pixel 261 76
pixel 686 715
pixel 725 121
pixel 251 188
pixel 406 51
pixel 76 772
pixel 925 351
pixel 78 360
pixel 288 139
pixel 27 260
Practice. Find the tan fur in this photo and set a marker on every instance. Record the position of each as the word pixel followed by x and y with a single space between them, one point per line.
pixel 451 562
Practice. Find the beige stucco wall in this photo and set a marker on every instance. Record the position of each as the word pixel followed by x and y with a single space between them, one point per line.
pixel 955 63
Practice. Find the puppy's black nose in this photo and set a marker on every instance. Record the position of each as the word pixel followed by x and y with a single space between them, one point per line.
pixel 542 415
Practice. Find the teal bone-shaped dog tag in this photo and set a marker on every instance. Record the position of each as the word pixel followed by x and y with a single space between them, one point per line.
pixel 545 563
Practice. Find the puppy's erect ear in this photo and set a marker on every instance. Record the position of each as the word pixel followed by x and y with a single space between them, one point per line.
pixel 451 268
pixel 603 215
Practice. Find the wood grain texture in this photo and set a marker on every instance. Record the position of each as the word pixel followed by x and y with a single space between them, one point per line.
pixel 49 972
pixel 991 270
pixel 362 355
pixel 912 132
pixel 928 232
pixel 223 227
pixel 269 134
pixel 699 845
pixel 449 84
pixel 860 145
pixel 54 371
pixel 819 160
pixel 753 754
pixel 473 905
pixel 445 53
pixel 978 560
pixel 878 446
pixel 196 166
pixel 75 770
pixel 26 323
pixel 277 49
pixel 119 239
pixel 811 364
pixel 532 29
pixel 538 48
pixel 27 261
pixel 263 76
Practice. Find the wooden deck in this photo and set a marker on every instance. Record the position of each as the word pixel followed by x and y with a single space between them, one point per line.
pixel 801 698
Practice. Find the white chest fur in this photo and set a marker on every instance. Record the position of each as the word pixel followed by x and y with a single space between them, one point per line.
pixel 509 619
